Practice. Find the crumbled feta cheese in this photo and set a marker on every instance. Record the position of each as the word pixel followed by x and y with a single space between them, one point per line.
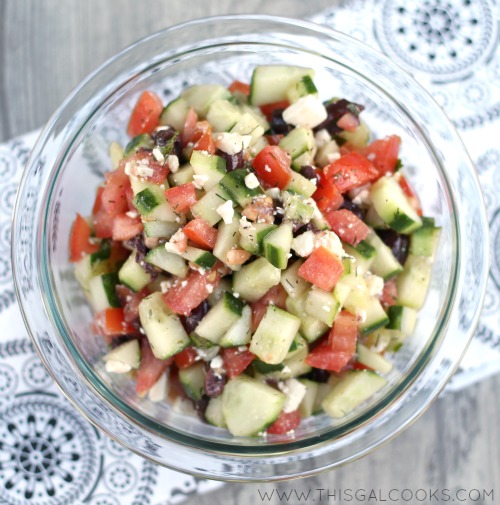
pixel 226 211
pixel 158 155
pixel 207 354
pixel 235 294
pixel 331 157
pixel 295 392
pixel 200 181
pixel 165 286
pixel 232 143
pixel 375 284
pixel 143 170
pixel 273 193
pixel 322 137
pixel 242 348
pixel 371 156
pixel 307 111
pixel 361 314
pixel 184 284
pixel 128 168
pixel 158 392
pixel 304 244
pixel 361 195
pixel 173 163
pixel 114 366
pixel 245 224
pixel 209 288
pixel 251 181
pixel 217 363
pixel 267 168
pixel 132 214
pixel 329 240
pixel 175 240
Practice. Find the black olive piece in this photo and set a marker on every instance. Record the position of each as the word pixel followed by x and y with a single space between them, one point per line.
pixel 309 173
pixel 397 242
pixel 278 124
pixel 233 161
pixel 355 209
pixel 197 314
pixel 214 382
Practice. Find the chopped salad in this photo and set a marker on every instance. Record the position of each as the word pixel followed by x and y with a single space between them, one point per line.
pixel 254 254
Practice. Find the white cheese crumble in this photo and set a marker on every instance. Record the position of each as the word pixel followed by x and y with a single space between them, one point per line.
pixel 304 244
pixel 165 286
pixel 158 392
pixel 132 214
pixel 322 137
pixel 207 354
pixel 217 363
pixel 232 143
pixel 307 111
pixel 173 163
pixel 331 157
pixel 329 240
pixel 273 193
pixel 144 171
pixel 114 366
pixel 158 155
pixel 251 181
pixel 226 211
pixel 245 224
pixel 173 244
pixel 200 181
pixel 295 392
pixel 375 284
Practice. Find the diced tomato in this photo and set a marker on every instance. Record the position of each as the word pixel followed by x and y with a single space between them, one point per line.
pixel 275 296
pixel 236 361
pixel 389 294
pixel 146 114
pixel 360 366
pixel 126 227
pixel 118 254
pixel 268 108
pixel 287 421
pixel 182 197
pixel 351 171
pixel 240 87
pixel 111 321
pixel 186 357
pixel 150 370
pixel 160 170
pixel 201 233
pixel 184 296
pixel 412 196
pixel 347 226
pixel 103 224
pixel 205 142
pixel 114 195
pixel 129 194
pixel 98 200
pixel 323 268
pixel 189 126
pixel 327 196
pixel 383 153
pixel 79 241
pixel 343 335
pixel 130 301
pixel 348 122
pixel 272 165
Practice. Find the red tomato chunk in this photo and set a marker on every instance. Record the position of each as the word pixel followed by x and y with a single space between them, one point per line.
pixel 287 421
pixel 351 171
pixel 322 268
pixel 236 361
pixel 146 114
pixel 347 226
pixel 182 197
pixel 272 166
pixel 201 233
pixel 79 242
pixel 150 370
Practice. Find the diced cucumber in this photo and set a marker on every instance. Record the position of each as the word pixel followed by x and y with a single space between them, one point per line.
pixel 301 185
pixel 310 327
pixel 383 339
pixel 85 270
pixel 393 206
pixel 423 242
pixel 413 282
pixel 115 154
pixel 224 285
pixel 362 264
pixel 327 153
pixel 306 158
pixel 152 204
pixel 206 207
pixel 352 390
pixel 274 335
pixel 294 285
pixel 297 346
pixel 220 318
pixel 200 257
pixel 373 219
pixel 174 114
pixel 138 185
pixel 126 356
pixel 160 229
pixel 223 115
pixel 252 236
pixel 249 406
pixel 214 414
pixel 270 83
pixel 163 328
pixel 183 176
pixel 367 308
pixel 239 333
pixel 306 407
pixel 373 360
pixel 293 366
pixel 296 207
pixel 322 305
pixel 102 292
pixel 142 140
pixel 256 113
pixel 255 279
pixel 228 237
pixel 192 379
pixel 302 87
pixel 298 141
pixel 210 166
pixel 201 96
pixel 170 262
pixel 358 138
pixel 234 184
pixel 402 318
pixel 133 275
pixel 103 253
pixel 384 264
pixel 366 250
pixel 248 125
pixel 277 245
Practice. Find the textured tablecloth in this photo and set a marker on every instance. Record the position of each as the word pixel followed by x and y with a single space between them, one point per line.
pixel 49 455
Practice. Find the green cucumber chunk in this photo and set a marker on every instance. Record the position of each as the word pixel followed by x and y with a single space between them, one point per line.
pixel 255 279
pixel 192 379
pixel 133 275
pixel 128 354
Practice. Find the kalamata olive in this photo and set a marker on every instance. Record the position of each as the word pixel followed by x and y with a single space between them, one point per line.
pixel 302 228
pixel 278 124
pixel 197 314
pixel 233 161
pixel 335 111
pixel 397 242
pixel 215 380
pixel 201 406
pixel 309 172
pixel 318 375
pixel 355 209
pixel 117 340
pixel 161 137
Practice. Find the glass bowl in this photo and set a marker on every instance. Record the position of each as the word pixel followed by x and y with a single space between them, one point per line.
pixel 71 156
